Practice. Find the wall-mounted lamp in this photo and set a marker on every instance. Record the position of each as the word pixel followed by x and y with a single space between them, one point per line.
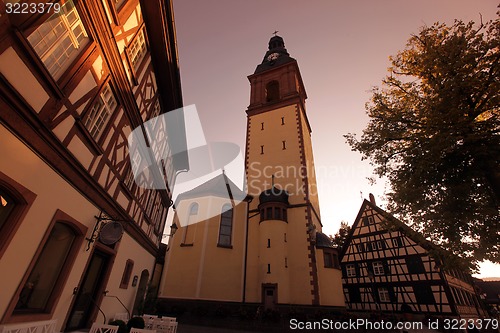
pixel 173 229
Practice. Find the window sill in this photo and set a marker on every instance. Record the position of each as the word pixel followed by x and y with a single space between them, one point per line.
pixel 225 246
pixel 186 245
pixel 28 317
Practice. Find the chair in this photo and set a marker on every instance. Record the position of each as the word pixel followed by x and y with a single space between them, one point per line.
pixel 140 330
pixel 103 328
pixel 165 326
pixel 171 319
pixel 47 326
pixel 149 321
pixel 149 316
pixel 173 327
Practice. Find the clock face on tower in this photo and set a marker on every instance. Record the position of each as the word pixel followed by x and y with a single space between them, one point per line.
pixel 273 56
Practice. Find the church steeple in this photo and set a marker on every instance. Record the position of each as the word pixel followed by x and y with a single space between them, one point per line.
pixel 276 55
pixel 276 79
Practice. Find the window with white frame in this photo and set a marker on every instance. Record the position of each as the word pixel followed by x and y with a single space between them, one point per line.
pixel 136 162
pixel 397 242
pixel 129 179
pixel 59 39
pixel 383 295
pixel 156 111
pixel 378 268
pixel 137 49
pixel 98 115
pixel 380 244
pixel 350 270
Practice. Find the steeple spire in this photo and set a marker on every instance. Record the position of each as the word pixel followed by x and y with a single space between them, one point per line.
pixel 276 54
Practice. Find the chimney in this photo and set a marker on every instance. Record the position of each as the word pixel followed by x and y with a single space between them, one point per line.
pixel 372 199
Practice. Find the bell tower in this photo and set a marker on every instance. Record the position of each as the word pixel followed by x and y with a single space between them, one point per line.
pixel 281 178
pixel 278 130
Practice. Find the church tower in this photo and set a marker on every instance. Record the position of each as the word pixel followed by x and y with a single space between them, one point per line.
pixel 268 250
pixel 286 265
pixel 278 131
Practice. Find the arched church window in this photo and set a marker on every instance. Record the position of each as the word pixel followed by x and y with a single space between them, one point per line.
pixel 193 210
pixel 273 91
pixel 189 231
pixel 226 226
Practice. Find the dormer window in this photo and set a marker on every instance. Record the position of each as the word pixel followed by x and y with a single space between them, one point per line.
pixel 272 91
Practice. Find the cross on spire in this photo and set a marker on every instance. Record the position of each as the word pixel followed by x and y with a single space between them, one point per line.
pixel 275 32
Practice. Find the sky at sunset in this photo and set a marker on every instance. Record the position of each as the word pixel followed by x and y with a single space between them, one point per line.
pixel 342 48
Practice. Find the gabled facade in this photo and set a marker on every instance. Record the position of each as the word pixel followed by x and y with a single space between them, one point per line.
pixel 206 257
pixel 76 78
pixel 386 266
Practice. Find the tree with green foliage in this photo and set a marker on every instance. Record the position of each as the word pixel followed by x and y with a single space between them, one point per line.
pixel 341 235
pixel 434 133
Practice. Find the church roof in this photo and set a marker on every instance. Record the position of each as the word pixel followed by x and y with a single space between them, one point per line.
pixel 274 194
pixel 275 56
pixel 220 186
pixel 323 241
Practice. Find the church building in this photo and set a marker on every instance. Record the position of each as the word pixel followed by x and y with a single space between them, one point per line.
pixel 268 249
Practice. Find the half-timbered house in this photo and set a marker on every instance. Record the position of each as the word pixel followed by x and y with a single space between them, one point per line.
pixel 386 266
pixel 78 237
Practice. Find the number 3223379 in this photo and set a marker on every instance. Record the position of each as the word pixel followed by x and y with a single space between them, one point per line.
pixel 32 8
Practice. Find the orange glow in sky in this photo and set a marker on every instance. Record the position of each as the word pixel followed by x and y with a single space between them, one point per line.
pixel 342 48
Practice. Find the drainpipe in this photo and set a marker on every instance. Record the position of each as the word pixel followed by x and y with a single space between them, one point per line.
pixel 249 200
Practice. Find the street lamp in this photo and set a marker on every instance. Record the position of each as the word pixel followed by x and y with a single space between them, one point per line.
pixel 173 229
